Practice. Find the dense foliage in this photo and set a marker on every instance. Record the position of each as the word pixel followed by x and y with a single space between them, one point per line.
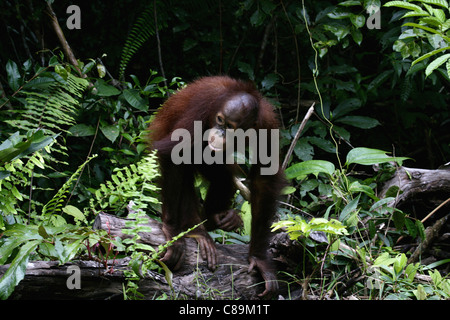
pixel 72 139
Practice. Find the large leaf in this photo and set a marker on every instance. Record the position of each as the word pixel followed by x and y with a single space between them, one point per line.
pixel 437 63
pixel 359 121
pixel 310 167
pixel 404 5
pixel 429 54
pixel 105 90
pixel 82 130
pixel 346 107
pixel 382 77
pixel 14 148
pixel 16 271
pixel 135 100
pixel 367 156
pixel 111 132
pixel 350 210
pixel 442 3
pixel 13 75
pixel 74 212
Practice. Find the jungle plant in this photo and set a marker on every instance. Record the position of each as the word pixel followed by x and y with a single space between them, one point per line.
pixel 132 183
pixel 425 37
pixel 392 278
pixel 50 237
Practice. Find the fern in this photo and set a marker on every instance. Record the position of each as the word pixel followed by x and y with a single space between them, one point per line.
pixel 132 183
pixel 51 108
pixel 142 30
pixel 19 155
pixel 54 206
pixel 14 176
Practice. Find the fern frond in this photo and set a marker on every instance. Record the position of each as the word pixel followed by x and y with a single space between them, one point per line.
pixel 142 30
pixel 54 206
pixel 52 109
pixel 134 182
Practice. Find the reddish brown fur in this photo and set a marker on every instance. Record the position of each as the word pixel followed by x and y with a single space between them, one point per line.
pixel 201 101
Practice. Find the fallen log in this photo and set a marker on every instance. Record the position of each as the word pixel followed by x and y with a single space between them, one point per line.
pixel 230 280
pixel 412 181
pixel 194 280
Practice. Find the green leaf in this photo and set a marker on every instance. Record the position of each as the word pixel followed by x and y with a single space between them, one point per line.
pixel 70 250
pixel 338 13
pixel 429 54
pixel 358 20
pixel 42 232
pixel 74 212
pixel 404 5
pixel 442 3
pixel 13 148
pixel 269 81
pixel 7 248
pixel 167 272
pixel 303 150
pixel 415 14
pixel 4 174
pixel 416 25
pixel 135 100
pixel 111 132
pixel 400 263
pixel 420 229
pixel 17 269
pixel 359 122
pixel 340 31
pixel 357 36
pixel 399 219
pixel 411 227
pixel 13 75
pixel 371 6
pixel 350 3
pixel 411 270
pixel 310 167
pixel 437 63
pixel 246 215
pixel 367 156
pixel 386 74
pixel 420 293
pixel 436 264
pixel 346 107
pixel 381 203
pixel 349 208
pixel 325 145
pixel 105 90
pixel 48 250
pixel 356 186
pixel 82 130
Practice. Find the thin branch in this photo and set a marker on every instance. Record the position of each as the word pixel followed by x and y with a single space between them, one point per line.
pixel 297 136
pixel 62 39
pixel 88 156
pixel 436 209
pixel 159 45
pixel 264 43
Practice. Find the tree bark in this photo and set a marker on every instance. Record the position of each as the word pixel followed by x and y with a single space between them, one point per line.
pixel 413 181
